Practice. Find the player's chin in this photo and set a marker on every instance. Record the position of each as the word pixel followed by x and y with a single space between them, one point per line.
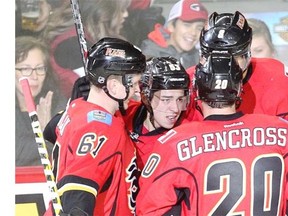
pixel 167 125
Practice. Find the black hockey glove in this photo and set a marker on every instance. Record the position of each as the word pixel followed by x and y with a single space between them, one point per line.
pixel 81 88
pixel 49 130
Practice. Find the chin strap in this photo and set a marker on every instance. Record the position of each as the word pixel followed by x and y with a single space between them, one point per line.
pixel 120 101
pixel 121 107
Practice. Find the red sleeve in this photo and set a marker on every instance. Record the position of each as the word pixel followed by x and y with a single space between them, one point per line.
pixel 266 90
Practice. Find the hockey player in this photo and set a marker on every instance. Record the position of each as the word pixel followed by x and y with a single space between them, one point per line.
pixel 264 79
pixel 94 159
pixel 164 98
pixel 229 164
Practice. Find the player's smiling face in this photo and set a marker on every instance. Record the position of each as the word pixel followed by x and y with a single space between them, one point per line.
pixel 167 106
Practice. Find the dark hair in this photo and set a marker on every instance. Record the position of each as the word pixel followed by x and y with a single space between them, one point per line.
pixel 23 45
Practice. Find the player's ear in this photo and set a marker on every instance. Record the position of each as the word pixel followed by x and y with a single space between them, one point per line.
pixel 113 84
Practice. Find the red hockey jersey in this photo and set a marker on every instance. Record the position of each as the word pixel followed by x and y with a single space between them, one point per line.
pixel 234 166
pixel 142 138
pixel 94 161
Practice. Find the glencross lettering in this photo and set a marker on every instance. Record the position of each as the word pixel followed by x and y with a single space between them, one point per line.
pixel 233 139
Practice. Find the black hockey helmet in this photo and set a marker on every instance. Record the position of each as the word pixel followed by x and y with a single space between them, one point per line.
pixel 163 73
pixel 226 32
pixel 113 56
pixel 218 81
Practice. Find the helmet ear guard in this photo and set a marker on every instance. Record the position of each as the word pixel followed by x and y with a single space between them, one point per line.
pixel 218 81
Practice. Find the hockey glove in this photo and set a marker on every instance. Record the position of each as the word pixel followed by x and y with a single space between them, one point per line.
pixel 81 88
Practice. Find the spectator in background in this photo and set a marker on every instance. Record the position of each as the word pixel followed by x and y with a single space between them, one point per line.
pixel 262 45
pixel 180 35
pixel 45 10
pixel 100 18
pixel 141 20
pixel 32 61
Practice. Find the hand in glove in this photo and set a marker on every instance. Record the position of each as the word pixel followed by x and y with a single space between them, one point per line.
pixel 81 88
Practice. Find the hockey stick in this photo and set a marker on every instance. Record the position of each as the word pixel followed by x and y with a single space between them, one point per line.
pixel 79 30
pixel 41 145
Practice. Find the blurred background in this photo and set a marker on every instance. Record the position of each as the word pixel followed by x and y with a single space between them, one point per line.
pixel 273 12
